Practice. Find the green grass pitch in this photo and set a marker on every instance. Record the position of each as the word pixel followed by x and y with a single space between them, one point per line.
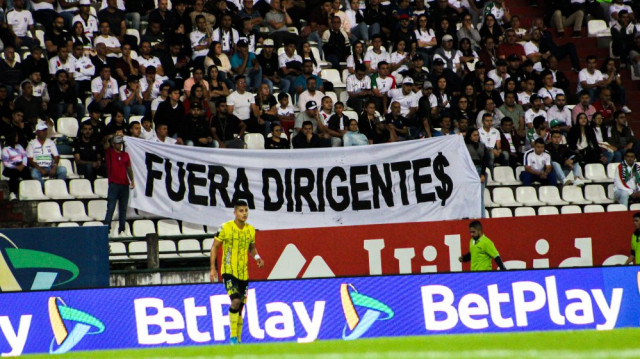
pixel 619 344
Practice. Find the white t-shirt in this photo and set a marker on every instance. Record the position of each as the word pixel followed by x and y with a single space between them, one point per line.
pixel 225 39
pixel 384 84
pixel 524 98
pixel 355 85
pixel 42 153
pixel 151 61
pixel 283 59
pixel 535 161
pixel 530 115
pixel 84 69
pixel 90 26
pixel 490 138
pixel 39 89
pixel 109 41
pixel 167 140
pixel 155 92
pixel 374 58
pixel 199 38
pixel 590 79
pixel 306 96
pixel 241 104
pixel 497 79
pixel 563 115
pixel 396 58
pixel 19 21
pixel 41 5
pixel 406 101
pixel 56 64
pixel 289 110
pixel 112 87
pixel 550 93
pixel 427 36
pixel 148 135
pixel 530 48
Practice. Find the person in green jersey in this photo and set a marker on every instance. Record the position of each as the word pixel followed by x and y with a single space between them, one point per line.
pixel 481 250
pixel 237 238
pixel 634 257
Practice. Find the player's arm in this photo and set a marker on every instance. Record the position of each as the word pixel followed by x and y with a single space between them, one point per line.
pixel 632 256
pixel 213 274
pixel 465 257
pixel 254 253
pixel 499 263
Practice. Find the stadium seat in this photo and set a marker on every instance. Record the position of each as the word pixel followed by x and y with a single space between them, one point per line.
pixel 101 187
pixel 551 196
pixel 612 168
pixel 117 251
pixel 71 169
pixel 487 199
pixel 593 208
pixel 314 51
pixel 634 207
pixel 610 191
pixel 351 114
pixel 206 246
pixel 50 212
pixel 97 209
pixel 167 227
pixel 504 176
pixel 596 173
pixel 142 227
pixel 147 215
pixel 333 96
pixel 56 189
pixel 254 141
pixel 67 126
pixel 333 76
pixel 574 195
pixel 345 74
pixel 75 211
pixel 135 118
pixel 490 182
pixel 527 195
pixel 486 213
pixel 344 96
pixel 135 33
pixel 81 188
pixel 189 248
pixel 192 228
pixel 138 250
pixel 113 231
pixel 40 37
pixel 616 207
pixel 501 212
pixel 68 224
pixel 92 224
pixel 212 229
pixel 595 193
pixel 525 211
pixel 570 209
pixel 519 170
pixel 31 190
pixel 598 28
pixel 547 210
pixel 167 249
pixel 503 196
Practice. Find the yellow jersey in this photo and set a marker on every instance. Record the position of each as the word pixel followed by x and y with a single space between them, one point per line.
pixel 235 248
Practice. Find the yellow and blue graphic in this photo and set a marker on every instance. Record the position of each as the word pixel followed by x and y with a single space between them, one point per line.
pixel 351 302
pixel 61 315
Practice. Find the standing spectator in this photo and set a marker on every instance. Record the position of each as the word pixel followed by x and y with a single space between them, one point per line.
pixel 120 177
pixel 620 136
pixel 86 153
pixel 481 249
pixel 14 162
pixel 563 160
pixel 276 141
pixel 43 156
pixel 537 166
pixel 626 183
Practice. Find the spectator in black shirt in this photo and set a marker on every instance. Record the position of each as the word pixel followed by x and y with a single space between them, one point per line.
pixel 96 123
pixel 154 36
pixel 336 45
pixel 116 19
pixel 226 128
pixel 195 130
pixel 63 100
pixel 383 132
pixel 175 64
pixel 86 153
pixel 453 80
pixel 11 70
pixel 306 138
pixel 35 62
pixel 163 16
pixel 57 37
pixel 171 112
pixel 275 141
pixel 404 32
pixel 269 63
pixel 100 60
pixel 29 104
pixel 117 123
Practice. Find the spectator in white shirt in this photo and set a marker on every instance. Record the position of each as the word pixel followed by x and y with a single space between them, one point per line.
pixel 43 156
pixel 561 113
pixel 111 42
pixel 537 166
pixel 375 55
pixel 626 183
pixel 20 21
pixel 590 78
pixel 490 136
pixel 358 88
pixel 105 90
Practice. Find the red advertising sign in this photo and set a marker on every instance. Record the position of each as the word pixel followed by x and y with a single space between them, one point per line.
pixel 523 242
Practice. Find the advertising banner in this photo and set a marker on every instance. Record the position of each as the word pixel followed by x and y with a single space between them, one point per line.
pixel 523 242
pixel 53 258
pixel 424 180
pixel 336 308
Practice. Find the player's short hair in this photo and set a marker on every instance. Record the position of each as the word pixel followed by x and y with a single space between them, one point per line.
pixel 475 225
pixel 240 203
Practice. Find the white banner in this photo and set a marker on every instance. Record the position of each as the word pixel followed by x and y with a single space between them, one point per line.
pixel 412 181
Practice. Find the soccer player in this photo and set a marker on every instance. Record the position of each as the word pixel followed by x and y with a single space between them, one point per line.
pixel 237 238
pixel 481 250
pixel 634 257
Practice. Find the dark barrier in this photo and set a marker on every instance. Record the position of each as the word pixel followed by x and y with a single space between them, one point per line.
pixel 337 308
pixel 53 258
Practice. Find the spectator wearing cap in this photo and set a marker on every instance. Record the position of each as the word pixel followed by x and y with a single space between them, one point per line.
pixel 383 132
pixel 245 63
pixel 359 89
pixel 195 130
pixel 404 30
pixel 84 16
pixel 376 54
pixel 499 74
pixel 63 99
pixel 87 153
pixel 335 43
pixel 120 177
pixel 418 72
pixel 43 156
pixel 105 90
pixel 439 69
pixel 511 46
pixel 311 113
pixel 406 98
pixel 447 53
pixel 131 96
pixel 311 93
pixel 149 87
pixel 269 63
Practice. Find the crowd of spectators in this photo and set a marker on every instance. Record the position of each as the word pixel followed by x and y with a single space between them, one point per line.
pixel 205 72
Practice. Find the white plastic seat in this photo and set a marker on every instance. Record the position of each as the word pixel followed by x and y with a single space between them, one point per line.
pixel 189 248
pixel 56 189
pixel 206 246
pixel 333 97
pixel 75 211
pixel 138 250
pixel 547 210
pixel 314 50
pixel 610 191
pixel 113 231
pixel 570 209
pixel 490 182
pixel 525 211
pixel 333 76
pixel 101 187
pixel 612 168
pixel 168 227
pixel 93 224
pixel 71 169
pixel 527 195
pixel 135 118
pixel 501 212
pixel 97 209
pixel 486 213
pixel 351 114
pixel 192 228
pixel 616 207
pixel 117 251
pixel 345 74
pixel 596 173
pixel 81 188
pixel 518 171
pixel 504 176
pixel 67 126
pixel 598 28
pixel 487 199
pixel 167 249
pixel 551 196
pixel 596 194
pixel 142 227
pixel 31 190
pixel 634 207
pixel 68 224
pixel 135 33
pixel 593 208
pixel 574 195
pixel 50 212
pixel 503 196
pixel 254 141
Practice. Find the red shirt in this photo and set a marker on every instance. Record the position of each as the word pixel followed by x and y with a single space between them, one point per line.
pixel 117 164
pixel 506 50
pixel 607 113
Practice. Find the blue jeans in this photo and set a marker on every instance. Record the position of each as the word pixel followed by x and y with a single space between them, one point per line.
pixel 528 178
pixel 254 79
pixel 284 85
pixel 359 32
pixel 117 193
pixel 562 172
pixel 138 110
pixel 61 173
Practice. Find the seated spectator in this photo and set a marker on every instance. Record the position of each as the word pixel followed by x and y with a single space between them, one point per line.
pixel 613 81
pixel 286 112
pixel 300 82
pixel 96 122
pixel 381 84
pixel 226 35
pixel 14 163
pixel 126 65
pixel 171 112
pixel 626 182
pixel 312 93
pixel 352 137
pixel 420 73
pixel 491 110
pixel 83 72
pixel 535 111
pixel 86 153
pixel 446 127
pixel 468 31
pixel 307 138
pixel 491 29
pixel 539 129
pixel 467 56
pixel 11 70
pixel 548 46
pixel 537 166
pixel 162 135
pixel 399 122
pixel 376 54
pixel 290 64
pixel 31 106
pixel 514 111
pixel 276 141
pixel 511 46
pixel 112 44
pixel 135 129
pixel 590 79
pixel 447 53
pixel 582 139
pixel 564 160
pixel 226 128
pixel 131 97
pixel 245 63
pixel 337 125
pixel 634 53
pixel 146 131
pixel 490 136
pixel 566 15
pixel 43 156
pixel 105 90
pixel 499 75
pixel 175 64
pixel 560 113
pixel 497 9
pixel 117 124
pixel 336 45
pixel 20 21
pixel 149 86
pixel 605 105
pixel 406 98
pixel 511 142
pixel 267 107
pixel 269 64
pixel 548 92
pixel 195 131
pixel 583 106
pixel 488 92
pixel 358 89
pixel 620 136
pixel 622 33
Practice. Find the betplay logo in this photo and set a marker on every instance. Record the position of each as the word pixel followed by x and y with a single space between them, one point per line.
pixel 61 315
pixel 351 302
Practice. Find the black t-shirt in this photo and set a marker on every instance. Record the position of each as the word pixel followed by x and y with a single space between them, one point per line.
pixel 193 129
pixel 382 137
pixel 60 40
pixel 112 127
pixel 227 127
pixel 270 144
pixel 267 104
pixel 98 130
pixel 114 19
pixel 269 66
pixel 88 151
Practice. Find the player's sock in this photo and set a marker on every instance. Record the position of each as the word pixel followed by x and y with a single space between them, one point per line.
pixel 240 322
pixel 233 322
